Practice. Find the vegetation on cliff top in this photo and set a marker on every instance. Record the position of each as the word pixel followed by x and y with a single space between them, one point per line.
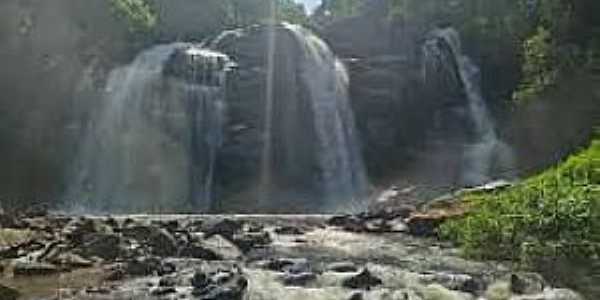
pixel 554 214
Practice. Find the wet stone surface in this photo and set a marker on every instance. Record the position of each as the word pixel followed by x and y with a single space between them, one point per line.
pixel 364 256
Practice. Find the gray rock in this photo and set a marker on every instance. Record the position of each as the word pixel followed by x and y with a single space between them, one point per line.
pixel 219 285
pixel 163 291
pixel 34 269
pixel 225 249
pixel 198 251
pixel 162 242
pixel 364 280
pixel 287 265
pixel 105 246
pixel 289 230
pixel 8 293
pixel 527 283
pixel 298 279
pixel 342 267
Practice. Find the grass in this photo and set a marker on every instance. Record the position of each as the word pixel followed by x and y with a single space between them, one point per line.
pixel 554 214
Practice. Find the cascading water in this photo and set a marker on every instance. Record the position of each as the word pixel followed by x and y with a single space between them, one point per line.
pixel 443 56
pixel 326 80
pixel 153 144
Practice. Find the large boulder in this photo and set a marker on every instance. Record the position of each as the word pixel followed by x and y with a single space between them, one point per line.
pixel 8 293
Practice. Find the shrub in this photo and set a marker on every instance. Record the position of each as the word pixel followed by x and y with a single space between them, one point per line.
pixel 555 213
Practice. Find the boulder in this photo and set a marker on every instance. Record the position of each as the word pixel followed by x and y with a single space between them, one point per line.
pixel 527 283
pixel 342 267
pixel 219 285
pixel 289 230
pixel 364 281
pixel 286 265
pixel 105 246
pixel 226 228
pixel 250 240
pixel 162 242
pixel 163 291
pixel 196 250
pixel 146 266
pixel 298 279
pixel 8 293
pixel 34 269
pixel 223 248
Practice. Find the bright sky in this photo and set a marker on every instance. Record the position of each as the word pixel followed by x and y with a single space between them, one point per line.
pixel 310 4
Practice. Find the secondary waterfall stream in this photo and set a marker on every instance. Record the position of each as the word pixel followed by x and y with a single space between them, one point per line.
pixel 153 144
pixel 485 153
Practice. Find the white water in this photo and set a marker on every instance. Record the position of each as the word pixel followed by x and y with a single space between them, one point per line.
pixel 326 79
pixel 153 143
pixel 487 151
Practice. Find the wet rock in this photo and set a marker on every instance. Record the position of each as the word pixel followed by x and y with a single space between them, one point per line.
pixel 34 269
pixel 162 243
pixel 71 260
pixel 425 225
pixel 248 241
pixel 356 296
pixel 527 283
pixel 298 279
pixel 364 280
pixel 37 224
pixel 289 230
pixel 379 222
pixel 219 285
pixel 98 290
pixel 147 266
pixel 226 228
pixel 168 281
pixel 162 291
pixel 343 267
pixel 8 293
pixel 287 265
pixel 200 280
pixel 200 252
pixel 225 249
pixel 350 223
pixel 105 246
pixel 116 274
pixel 9 221
pixel 9 252
pixel 76 230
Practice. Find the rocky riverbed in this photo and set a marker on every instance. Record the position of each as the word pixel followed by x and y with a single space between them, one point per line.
pixel 383 255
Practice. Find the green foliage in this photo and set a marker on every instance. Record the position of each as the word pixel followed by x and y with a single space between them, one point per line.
pixel 556 213
pixel 342 8
pixel 139 14
pixel 240 13
pixel 540 68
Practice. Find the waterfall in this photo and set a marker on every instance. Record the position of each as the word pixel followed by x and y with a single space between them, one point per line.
pixel 153 143
pixel 443 57
pixel 326 81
